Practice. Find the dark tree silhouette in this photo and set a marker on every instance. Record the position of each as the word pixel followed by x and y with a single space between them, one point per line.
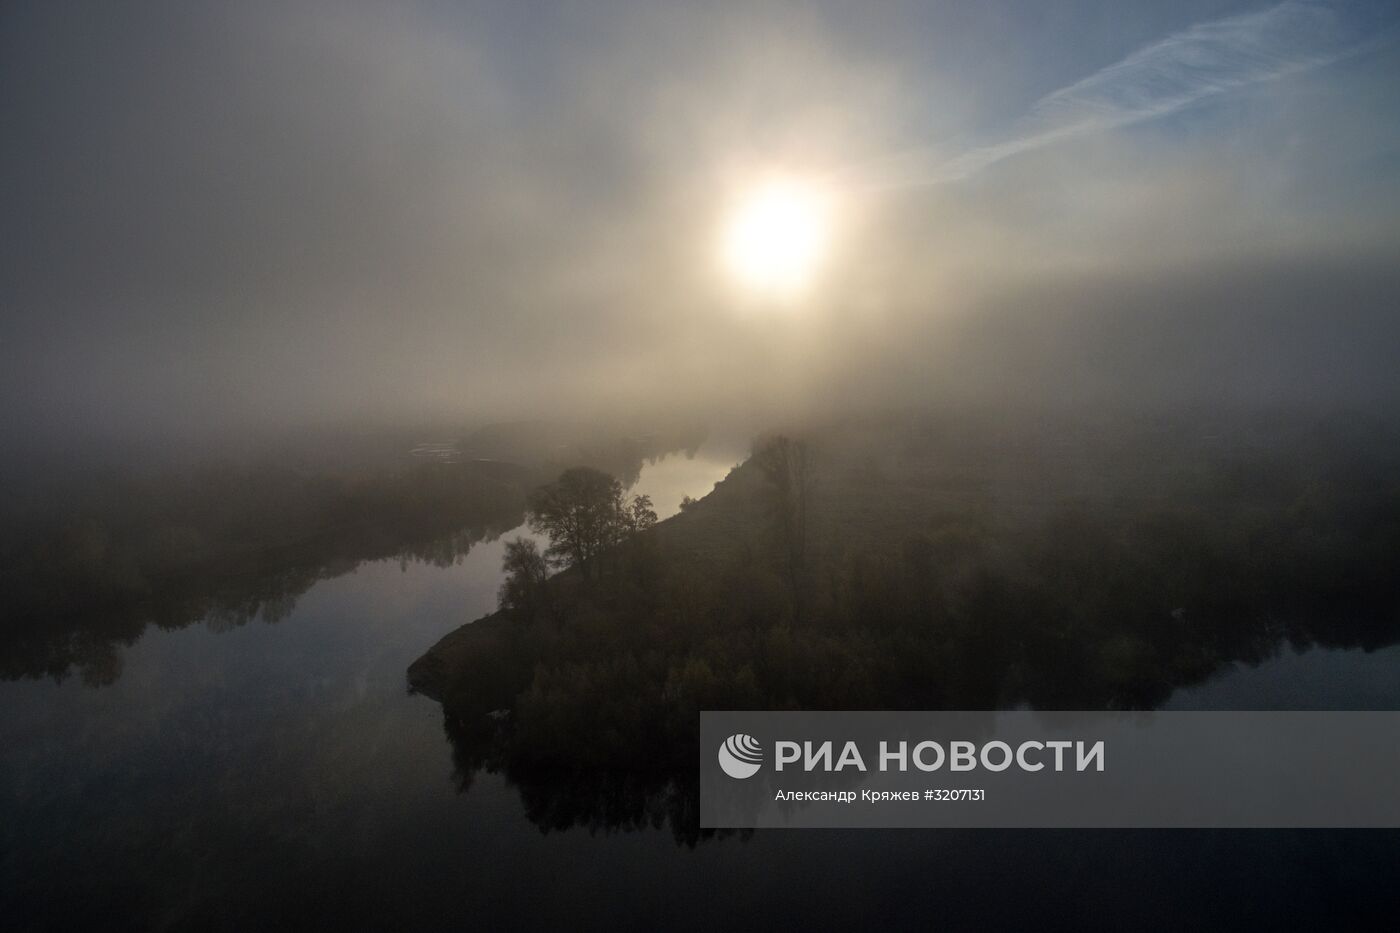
pixel 584 513
pixel 639 515
pixel 784 464
pixel 523 593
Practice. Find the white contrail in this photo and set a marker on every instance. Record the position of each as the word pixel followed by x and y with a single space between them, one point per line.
pixel 1159 79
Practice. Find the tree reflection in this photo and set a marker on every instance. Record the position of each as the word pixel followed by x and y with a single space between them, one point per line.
pixel 56 642
pixel 596 801
pixel 226 546
pixel 934 576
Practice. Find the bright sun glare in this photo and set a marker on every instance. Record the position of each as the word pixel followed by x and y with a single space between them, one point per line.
pixel 777 235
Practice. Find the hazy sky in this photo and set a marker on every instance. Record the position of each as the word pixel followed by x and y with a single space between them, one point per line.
pixel 219 215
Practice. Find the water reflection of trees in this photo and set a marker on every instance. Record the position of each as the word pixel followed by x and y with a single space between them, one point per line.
pixel 80 582
pixel 225 548
pixel 593 800
pixel 934 578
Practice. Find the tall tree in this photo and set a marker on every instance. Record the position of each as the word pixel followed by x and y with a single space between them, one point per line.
pixel 784 463
pixel 584 513
pixel 524 593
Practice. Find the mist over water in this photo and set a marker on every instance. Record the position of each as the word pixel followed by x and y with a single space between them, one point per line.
pixel 1017 354
pixel 288 755
pixel 286 752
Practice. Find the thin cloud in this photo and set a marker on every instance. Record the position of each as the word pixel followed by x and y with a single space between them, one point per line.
pixel 1157 80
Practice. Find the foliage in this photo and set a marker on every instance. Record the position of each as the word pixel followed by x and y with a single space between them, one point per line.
pixel 223 545
pixel 783 462
pixel 523 592
pixel 914 593
pixel 585 513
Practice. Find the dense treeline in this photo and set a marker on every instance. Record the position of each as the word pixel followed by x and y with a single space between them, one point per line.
pixel 90 557
pixel 822 574
pixel 222 545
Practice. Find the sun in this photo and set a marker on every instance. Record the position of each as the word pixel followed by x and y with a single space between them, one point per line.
pixel 776 235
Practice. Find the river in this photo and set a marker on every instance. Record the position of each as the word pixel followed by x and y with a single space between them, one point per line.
pixel 280 774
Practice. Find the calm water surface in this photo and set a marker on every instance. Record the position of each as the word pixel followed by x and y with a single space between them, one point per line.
pixel 279 774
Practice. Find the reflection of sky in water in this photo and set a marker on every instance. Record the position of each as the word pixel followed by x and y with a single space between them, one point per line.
pixel 667 480
pixel 274 768
pixel 676 476
pixel 267 760
pixel 1317 678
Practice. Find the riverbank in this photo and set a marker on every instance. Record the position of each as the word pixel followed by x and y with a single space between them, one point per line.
pixel 913 563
